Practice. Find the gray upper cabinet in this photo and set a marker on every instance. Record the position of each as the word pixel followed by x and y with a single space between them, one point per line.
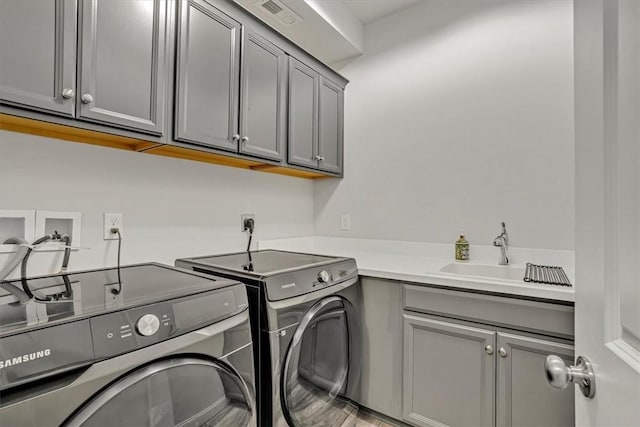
pixel 122 63
pixel 208 61
pixel 263 89
pixel 524 398
pixel 38 55
pixel 200 73
pixel 448 374
pixel 316 119
pixel 330 126
pixel 303 114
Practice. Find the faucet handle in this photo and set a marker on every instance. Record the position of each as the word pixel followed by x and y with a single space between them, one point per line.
pixel 504 234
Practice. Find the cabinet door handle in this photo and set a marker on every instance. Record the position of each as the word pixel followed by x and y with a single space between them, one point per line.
pixel 502 352
pixel 244 139
pixel 68 93
pixel 489 350
pixel 319 158
pixel 235 138
pixel 87 98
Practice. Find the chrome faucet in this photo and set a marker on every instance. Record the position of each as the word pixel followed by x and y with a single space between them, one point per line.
pixel 502 241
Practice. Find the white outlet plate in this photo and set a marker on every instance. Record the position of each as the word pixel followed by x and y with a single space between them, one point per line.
pixel 345 222
pixel 247 216
pixel 113 220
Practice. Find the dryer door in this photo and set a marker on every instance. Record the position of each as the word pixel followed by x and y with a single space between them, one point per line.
pixel 180 391
pixel 322 366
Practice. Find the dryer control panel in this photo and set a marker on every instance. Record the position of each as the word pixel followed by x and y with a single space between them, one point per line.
pixel 289 285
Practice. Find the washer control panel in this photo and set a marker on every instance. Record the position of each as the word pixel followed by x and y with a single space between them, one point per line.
pixel 124 331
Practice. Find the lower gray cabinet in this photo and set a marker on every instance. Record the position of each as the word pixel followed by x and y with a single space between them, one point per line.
pixel 461 375
pixel 448 373
pixel 523 396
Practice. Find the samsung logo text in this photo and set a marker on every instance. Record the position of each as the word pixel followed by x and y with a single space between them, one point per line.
pixel 25 358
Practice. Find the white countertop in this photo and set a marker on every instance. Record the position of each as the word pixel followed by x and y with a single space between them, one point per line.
pixel 421 263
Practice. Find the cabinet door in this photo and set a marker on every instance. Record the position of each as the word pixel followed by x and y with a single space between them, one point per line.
pixel 38 54
pixel 330 126
pixel 122 75
pixel 524 397
pixel 208 76
pixel 448 374
pixel 264 86
pixel 303 115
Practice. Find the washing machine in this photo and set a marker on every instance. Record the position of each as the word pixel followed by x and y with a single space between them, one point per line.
pixel 143 345
pixel 305 311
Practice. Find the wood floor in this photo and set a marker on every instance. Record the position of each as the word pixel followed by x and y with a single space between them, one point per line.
pixel 313 407
pixel 365 419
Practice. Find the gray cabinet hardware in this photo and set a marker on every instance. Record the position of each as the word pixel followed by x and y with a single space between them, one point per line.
pixel 489 350
pixel 86 98
pixel 502 352
pixel 68 93
pixel 244 139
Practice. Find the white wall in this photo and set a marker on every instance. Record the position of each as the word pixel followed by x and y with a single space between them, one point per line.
pixel 460 115
pixel 172 208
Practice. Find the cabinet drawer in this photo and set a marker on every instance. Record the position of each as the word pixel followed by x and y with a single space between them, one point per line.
pixel 534 316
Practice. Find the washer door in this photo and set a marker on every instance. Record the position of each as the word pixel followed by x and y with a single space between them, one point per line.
pixel 322 366
pixel 181 391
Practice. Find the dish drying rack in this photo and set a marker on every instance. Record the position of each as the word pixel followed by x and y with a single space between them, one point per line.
pixel 546 274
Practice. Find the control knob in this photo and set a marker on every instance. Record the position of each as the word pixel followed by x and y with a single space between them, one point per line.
pixel 323 277
pixel 148 325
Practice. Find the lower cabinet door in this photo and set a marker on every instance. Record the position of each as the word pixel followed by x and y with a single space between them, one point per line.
pixel 448 373
pixel 524 398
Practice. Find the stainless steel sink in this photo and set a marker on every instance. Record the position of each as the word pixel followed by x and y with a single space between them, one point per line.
pixel 502 272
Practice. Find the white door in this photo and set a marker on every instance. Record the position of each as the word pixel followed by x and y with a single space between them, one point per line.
pixel 607 94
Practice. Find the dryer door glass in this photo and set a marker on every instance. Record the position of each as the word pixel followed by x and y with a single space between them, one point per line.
pixel 322 368
pixel 172 392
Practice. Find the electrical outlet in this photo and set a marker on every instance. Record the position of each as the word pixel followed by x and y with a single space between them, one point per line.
pixel 113 220
pixel 247 216
pixel 345 222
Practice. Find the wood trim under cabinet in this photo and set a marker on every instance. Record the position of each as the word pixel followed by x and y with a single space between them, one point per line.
pixel 85 136
pixel 69 133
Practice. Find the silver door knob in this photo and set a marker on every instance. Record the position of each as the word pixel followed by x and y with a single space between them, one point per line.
pixel 68 93
pixel 559 375
pixel 319 158
pixel 87 98
pixel 502 352
pixel 235 138
pixel 489 350
pixel 244 139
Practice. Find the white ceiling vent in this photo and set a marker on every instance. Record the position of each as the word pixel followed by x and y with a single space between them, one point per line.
pixel 280 12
